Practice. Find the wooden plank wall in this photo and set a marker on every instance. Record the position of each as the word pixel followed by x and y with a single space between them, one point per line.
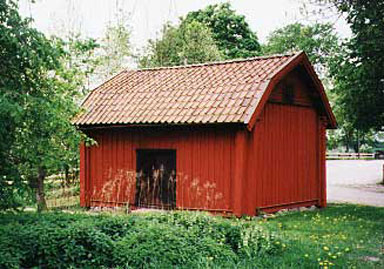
pixel 203 157
pixel 283 160
pixel 285 156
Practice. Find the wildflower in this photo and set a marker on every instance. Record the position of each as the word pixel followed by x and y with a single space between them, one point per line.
pixel 306 255
pixel 326 248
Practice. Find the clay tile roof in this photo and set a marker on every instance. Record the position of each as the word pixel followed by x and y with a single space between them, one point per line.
pixel 220 92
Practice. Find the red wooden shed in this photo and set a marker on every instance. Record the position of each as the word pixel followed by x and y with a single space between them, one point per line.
pixel 235 136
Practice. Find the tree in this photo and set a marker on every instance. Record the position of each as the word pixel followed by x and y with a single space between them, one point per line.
pixel 38 97
pixel 79 62
pixel 115 51
pixel 187 43
pixel 318 40
pixel 358 70
pixel 80 59
pixel 26 55
pixel 231 32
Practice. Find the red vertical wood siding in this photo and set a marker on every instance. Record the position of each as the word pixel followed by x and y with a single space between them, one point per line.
pixel 83 165
pixel 282 159
pixel 240 171
pixel 203 165
pixel 286 152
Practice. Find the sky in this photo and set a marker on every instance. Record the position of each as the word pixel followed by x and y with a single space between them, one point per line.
pixel 146 17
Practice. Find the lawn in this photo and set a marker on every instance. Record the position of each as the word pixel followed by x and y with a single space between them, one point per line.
pixel 341 236
pixel 348 236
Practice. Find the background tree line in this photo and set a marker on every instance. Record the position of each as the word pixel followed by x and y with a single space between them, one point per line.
pixel 43 79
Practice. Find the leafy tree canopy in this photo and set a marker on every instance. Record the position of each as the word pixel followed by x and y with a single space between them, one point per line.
pixel 359 68
pixel 230 30
pixel 26 57
pixel 38 97
pixel 318 40
pixel 187 43
pixel 114 52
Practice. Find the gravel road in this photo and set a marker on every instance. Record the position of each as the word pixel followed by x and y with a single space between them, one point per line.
pixel 355 181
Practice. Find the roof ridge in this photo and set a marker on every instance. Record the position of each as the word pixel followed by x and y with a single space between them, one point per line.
pixel 215 62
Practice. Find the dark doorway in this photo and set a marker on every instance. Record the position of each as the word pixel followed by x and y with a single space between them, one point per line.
pixel 156 178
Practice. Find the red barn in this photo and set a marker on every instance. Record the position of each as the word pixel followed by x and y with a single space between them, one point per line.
pixel 234 137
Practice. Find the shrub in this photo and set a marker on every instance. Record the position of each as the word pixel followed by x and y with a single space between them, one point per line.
pixel 172 239
pixel 116 227
pixel 75 246
pixel 168 246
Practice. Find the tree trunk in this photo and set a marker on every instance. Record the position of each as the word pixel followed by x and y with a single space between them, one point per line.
pixel 383 175
pixel 66 175
pixel 346 139
pixel 358 144
pixel 40 195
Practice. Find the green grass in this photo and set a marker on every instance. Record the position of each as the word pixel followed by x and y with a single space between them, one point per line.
pixel 340 236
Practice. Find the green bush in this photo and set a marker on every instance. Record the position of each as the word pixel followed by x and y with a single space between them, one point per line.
pixel 173 239
pixel 160 245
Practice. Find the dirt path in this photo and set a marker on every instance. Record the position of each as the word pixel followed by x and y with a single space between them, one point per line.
pixel 355 181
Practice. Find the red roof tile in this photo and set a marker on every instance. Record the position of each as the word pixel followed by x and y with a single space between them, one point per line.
pixel 225 92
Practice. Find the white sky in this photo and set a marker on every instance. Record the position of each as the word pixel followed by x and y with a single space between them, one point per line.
pixel 146 17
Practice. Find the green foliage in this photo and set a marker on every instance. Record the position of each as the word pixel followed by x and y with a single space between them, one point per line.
pixel 340 235
pixel 80 60
pixel 214 33
pixel 318 40
pixel 358 76
pixel 51 243
pixel 231 32
pixel 158 245
pixel 358 71
pixel 188 43
pixel 156 240
pixel 114 52
pixel 348 138
pixel 42 82
pixel 26 58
